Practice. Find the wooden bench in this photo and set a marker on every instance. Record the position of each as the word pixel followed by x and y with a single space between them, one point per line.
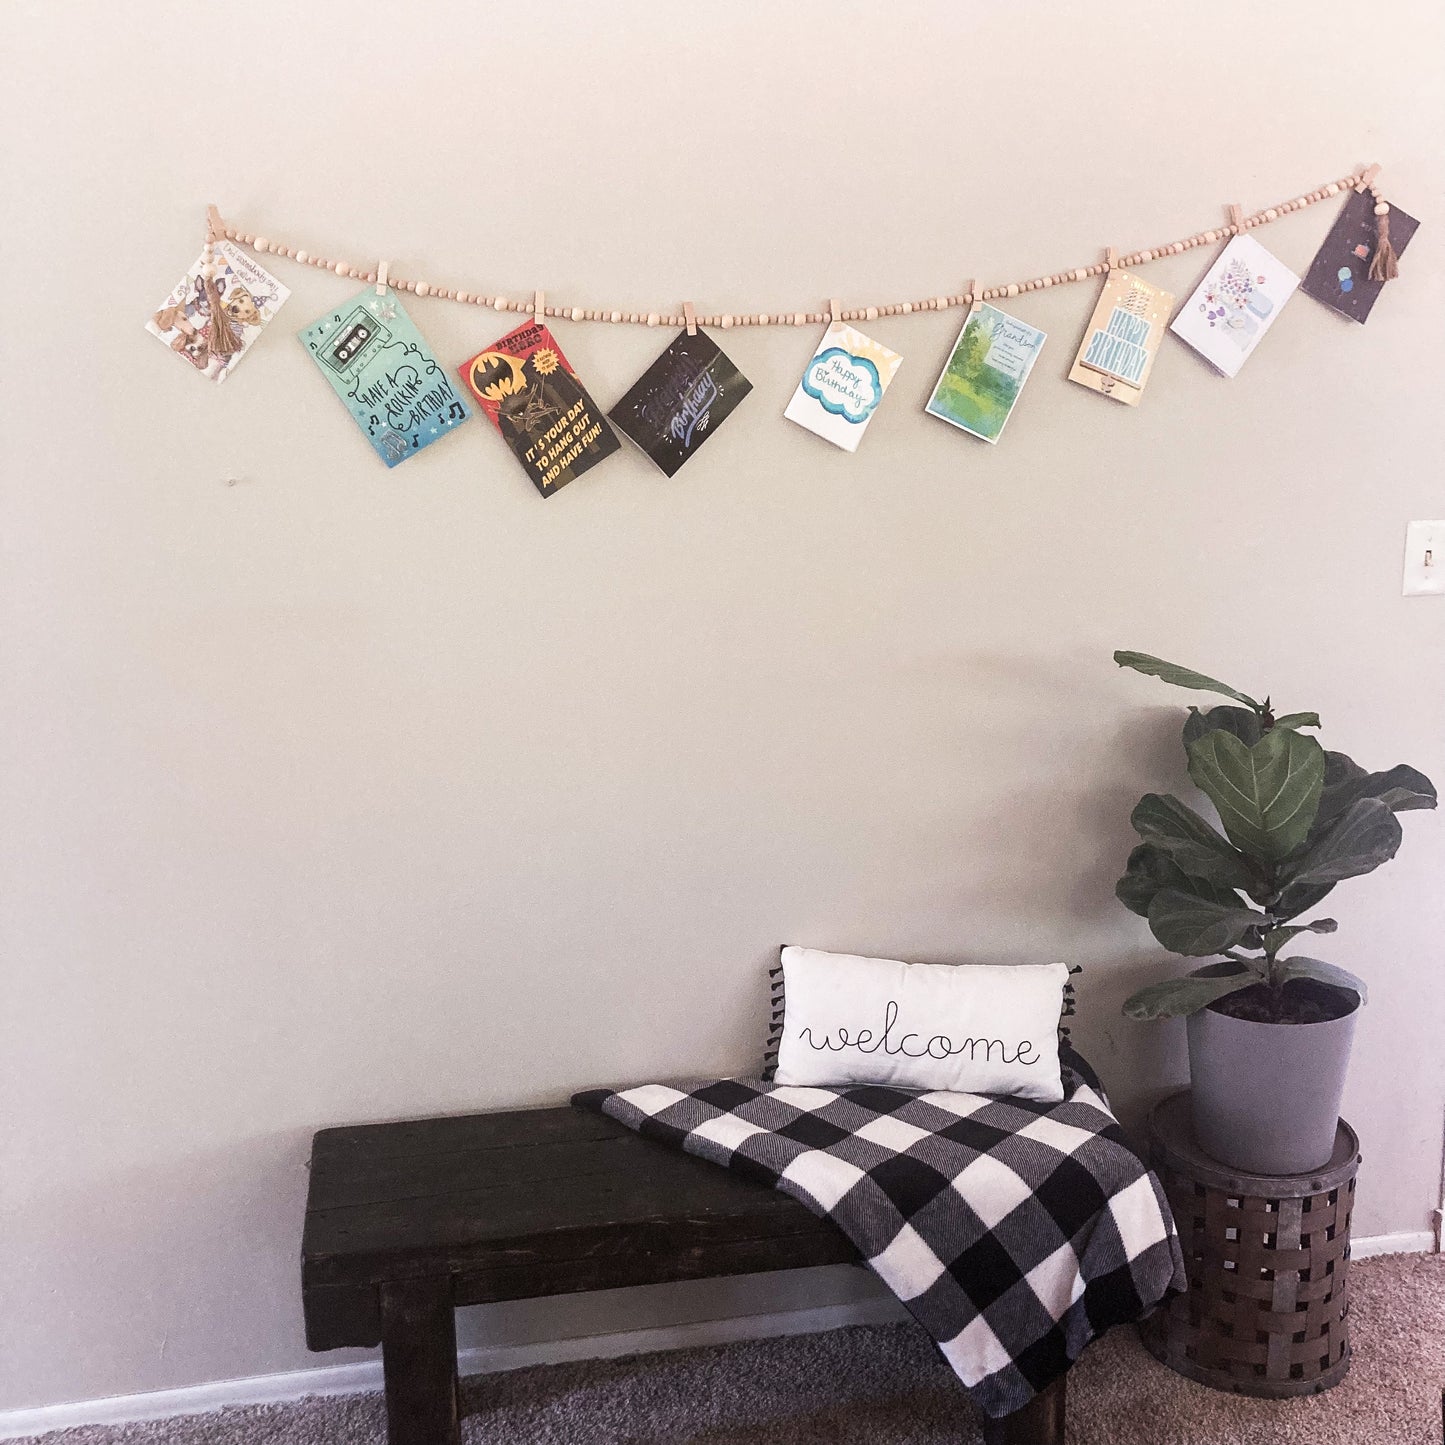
pixel 407 1221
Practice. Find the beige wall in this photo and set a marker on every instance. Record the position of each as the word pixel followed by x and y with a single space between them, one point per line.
pixel 342 794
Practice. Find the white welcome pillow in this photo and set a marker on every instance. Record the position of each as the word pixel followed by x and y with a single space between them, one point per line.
pixel 964 1028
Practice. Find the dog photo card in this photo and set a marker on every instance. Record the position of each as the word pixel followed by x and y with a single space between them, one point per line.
pixel 1122 337
pixel 1235 304
pixel 385 374
pixel 250 297
pixel 985 372
pixel 1339 274
pixel 680 400
pixel 842 386
pixel 533 397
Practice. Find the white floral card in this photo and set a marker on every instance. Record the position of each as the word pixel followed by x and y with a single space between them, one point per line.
pixel 1235 304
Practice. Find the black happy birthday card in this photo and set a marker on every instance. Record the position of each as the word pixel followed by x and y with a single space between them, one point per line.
pixel 680 400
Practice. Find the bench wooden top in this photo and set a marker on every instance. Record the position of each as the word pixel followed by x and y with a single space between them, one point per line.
pixel 524 1203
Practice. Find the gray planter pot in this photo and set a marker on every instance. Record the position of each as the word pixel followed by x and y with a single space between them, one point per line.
pixel 1266 1097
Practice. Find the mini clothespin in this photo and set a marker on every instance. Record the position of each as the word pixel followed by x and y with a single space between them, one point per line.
pixel 1111 258
pixel 539 307
pixel 834 315
pixel 690 316
pixel 971 292
pixel 1236 220
pixel 1367 180
pixel 383 278
pixel 216 227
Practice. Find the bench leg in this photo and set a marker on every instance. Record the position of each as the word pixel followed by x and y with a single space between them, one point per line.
pixel 419 1358
pixel 1040 1422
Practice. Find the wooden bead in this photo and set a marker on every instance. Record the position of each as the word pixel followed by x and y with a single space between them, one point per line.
pixel 1046 281
pixel 500 303
pixel 578 313
pixel 653 318
pixel 1332 189
pixel 871 314
pixel 726 323
pixel 1382 209
pixel 1079 275
pixel 906 308
pixel 799 319
pixel 422 289
pixel 302 257
pixel 342 269
pixel 614 316
pixel 1013 290
pixel 1271 214
pixel 261 243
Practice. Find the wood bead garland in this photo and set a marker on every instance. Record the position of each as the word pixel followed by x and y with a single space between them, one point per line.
pixel 1383 266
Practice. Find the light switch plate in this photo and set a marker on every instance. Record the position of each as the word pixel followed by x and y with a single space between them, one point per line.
pixel 1425 559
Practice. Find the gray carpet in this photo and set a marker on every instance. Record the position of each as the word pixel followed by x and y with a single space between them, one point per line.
pixel 884 1385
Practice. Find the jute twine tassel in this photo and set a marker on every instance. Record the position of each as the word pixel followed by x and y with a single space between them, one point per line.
pixel 1383 266
pixel 221 338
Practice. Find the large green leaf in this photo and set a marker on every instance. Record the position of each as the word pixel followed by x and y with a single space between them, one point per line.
pixel 1267 795
pixel 1149 869
pixel 1240 721
pixel 1298 720
pixel 1297 898
pixel 1400 788
pixel 1196 927
pixel 1179 676
pixel 1197 847
pixel 1322 972
pixel 1177 997
pixel 1364 836
pixel 1276 938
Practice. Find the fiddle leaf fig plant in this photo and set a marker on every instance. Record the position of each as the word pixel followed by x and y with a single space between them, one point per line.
pixel 1294 820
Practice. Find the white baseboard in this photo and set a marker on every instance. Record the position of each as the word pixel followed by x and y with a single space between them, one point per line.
pixel 357 1378
pixel 1416 1241
pixel 366 1375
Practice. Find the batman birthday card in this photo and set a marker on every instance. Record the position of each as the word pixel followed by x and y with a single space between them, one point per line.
pixel 533 397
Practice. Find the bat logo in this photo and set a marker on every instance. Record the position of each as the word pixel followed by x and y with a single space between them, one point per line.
pixel 495 375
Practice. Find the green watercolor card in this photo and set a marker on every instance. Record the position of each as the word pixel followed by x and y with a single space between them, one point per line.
pixel 985 372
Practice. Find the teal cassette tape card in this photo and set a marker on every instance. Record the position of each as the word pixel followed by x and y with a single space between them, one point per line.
pixel 380 366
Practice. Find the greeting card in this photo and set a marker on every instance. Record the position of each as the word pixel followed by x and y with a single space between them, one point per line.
pixel 981 381
pixel 842 386
pixel 250 297
pixel 681 400
pixel 385 374
pixel 1338 275
pixel 1235 304
pixel 1122 337
pixel 533 397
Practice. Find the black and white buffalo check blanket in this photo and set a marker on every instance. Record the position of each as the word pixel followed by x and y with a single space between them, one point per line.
pixel 1013 1231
